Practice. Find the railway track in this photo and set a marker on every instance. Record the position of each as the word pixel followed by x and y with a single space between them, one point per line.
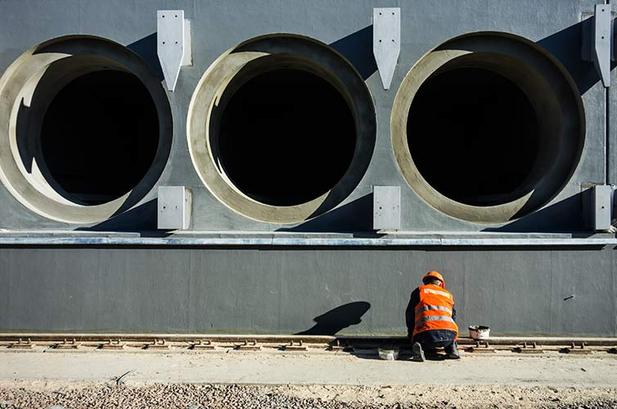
pixel 361 345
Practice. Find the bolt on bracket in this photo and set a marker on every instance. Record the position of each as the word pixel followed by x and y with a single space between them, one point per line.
pixel 525 349
pixel 386 41
pixel 597 40
pixel 200 344
pixel 294 346
pixel 70 344
pixel 27 344
pixel 173 44
pixel 113 344
pixel 572 349
pixel 248 346
pixel 481 347
pixel 157 344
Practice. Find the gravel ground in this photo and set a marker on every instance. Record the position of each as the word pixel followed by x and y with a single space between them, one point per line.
pixel 192 396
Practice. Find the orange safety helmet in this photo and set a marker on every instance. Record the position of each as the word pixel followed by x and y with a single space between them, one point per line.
pixel 435 274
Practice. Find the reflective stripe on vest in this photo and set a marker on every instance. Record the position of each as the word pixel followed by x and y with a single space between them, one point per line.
pixel 434 318
pixel 433 308
pixel 438 292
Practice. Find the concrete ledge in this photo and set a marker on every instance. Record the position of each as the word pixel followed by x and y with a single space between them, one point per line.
pixel 12 239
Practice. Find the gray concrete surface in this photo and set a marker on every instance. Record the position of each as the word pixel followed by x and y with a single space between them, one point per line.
pixel 518 291
pixel 235 367
pixel 318 379
pixel 553 24
pixel 543 291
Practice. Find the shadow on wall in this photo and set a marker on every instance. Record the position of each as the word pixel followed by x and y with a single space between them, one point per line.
pixel 338 319
pixel 146 48
pixel 565 45
pixel 358 49
pixel 564 216
pixel 140 219
pixel 355 216
pixel 568 214
pixel 133 125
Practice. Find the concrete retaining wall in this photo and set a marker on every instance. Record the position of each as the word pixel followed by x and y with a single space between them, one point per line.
pixel 540 291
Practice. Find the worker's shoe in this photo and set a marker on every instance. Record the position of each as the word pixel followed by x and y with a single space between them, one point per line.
pixel 452 352
pixel 417 354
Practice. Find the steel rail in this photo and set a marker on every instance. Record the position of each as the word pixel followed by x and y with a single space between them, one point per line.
pixel 173 241
pixel 289 342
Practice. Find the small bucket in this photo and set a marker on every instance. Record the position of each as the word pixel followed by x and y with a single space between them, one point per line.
pixel 479 332
pixel 388 354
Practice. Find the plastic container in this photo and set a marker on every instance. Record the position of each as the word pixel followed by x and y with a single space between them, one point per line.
pixel 479 332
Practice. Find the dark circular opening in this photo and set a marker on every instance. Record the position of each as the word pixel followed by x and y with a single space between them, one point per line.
pixel 474 136
pixel 286 137
pixel 99 136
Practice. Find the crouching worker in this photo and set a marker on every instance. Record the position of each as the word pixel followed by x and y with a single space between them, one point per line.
pixel 430 318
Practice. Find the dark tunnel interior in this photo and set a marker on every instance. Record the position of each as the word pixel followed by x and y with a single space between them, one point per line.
pixel 286 136
pixel 474 136
pixel 99 136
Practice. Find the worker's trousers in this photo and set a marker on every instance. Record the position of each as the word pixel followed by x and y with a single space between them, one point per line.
pixel 430 340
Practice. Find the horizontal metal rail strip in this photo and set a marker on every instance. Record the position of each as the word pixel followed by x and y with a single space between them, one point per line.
pixel 303 241
pixel 360 345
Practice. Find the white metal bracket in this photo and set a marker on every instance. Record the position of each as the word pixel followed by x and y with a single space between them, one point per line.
pixel 598 40
pixel 173 44
pixel 386 208
pixel 386 41
pixel 602 40
pixel 174 208
pixel 598 207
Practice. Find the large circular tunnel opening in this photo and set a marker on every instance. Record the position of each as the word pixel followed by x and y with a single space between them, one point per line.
pixel 281 128
pixel 487 127
pixel 474 136
pixel 286 136
pixel 87 129
pixel 99 136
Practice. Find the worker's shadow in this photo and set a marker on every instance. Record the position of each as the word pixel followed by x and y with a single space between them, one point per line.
pixel 338 319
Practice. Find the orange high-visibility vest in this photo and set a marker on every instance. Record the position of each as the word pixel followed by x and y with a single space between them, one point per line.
pixel 434 310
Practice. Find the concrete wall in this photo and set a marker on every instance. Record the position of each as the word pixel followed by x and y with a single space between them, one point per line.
pixel 553 24
pixel 522 291
pixel 544 291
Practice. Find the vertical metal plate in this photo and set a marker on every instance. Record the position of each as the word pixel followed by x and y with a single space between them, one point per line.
pixel 174 208
pixel 602 40
pixel 187 56
pixel 386 207
pixel 386 41
pixel 602 198
pixel 173 44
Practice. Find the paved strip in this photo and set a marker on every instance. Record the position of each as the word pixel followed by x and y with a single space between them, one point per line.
pixel 303 368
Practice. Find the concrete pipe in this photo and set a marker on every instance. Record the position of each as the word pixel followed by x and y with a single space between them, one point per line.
pixel 487 127
pixel 85 129
pixel 281 128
